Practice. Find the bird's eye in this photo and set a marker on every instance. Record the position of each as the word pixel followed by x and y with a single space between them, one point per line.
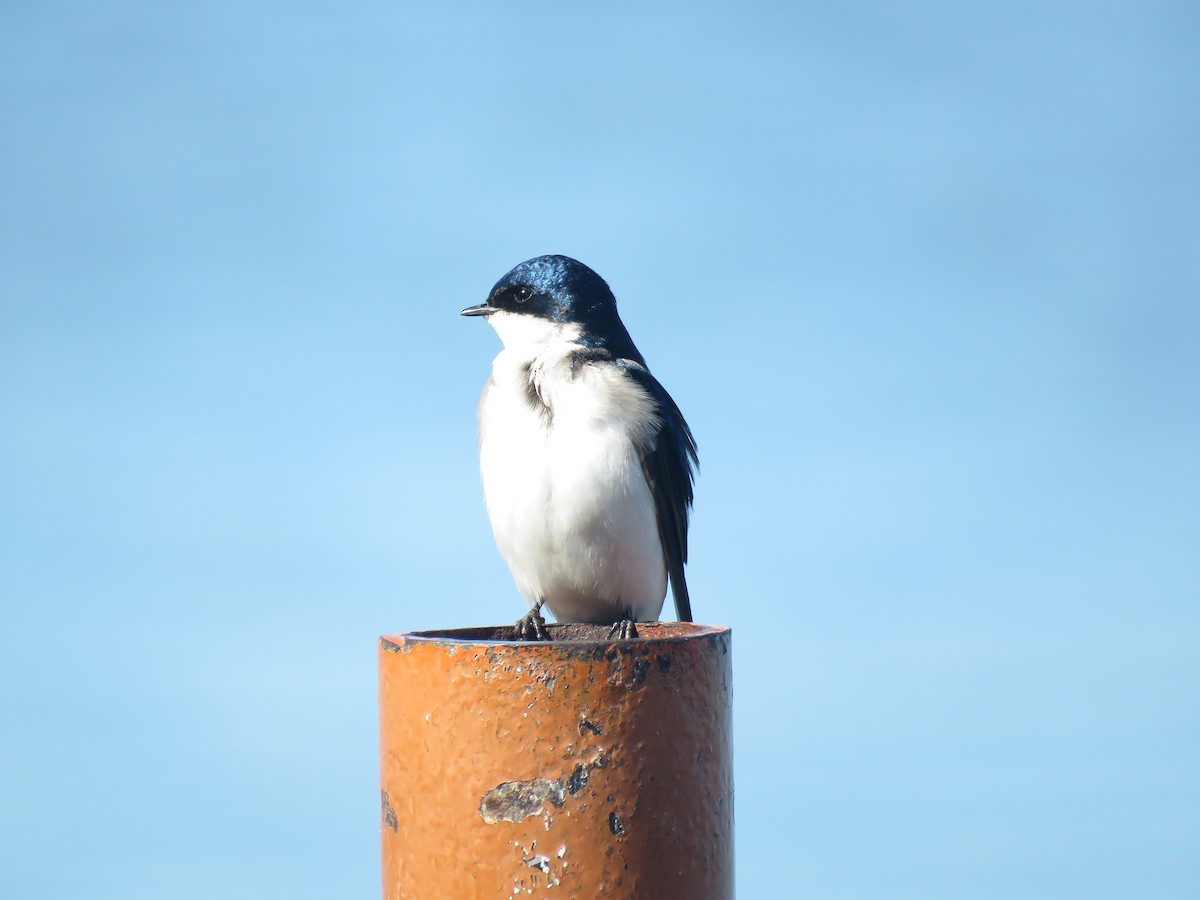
pixel 522 293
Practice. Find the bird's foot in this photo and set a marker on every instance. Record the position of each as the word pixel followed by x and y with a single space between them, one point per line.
pixel 531 626
pixel 624 630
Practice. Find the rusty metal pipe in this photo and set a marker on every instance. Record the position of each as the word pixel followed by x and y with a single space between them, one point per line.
pixel 576 768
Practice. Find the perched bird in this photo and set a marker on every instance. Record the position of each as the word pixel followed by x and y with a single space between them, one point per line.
pixel 587 462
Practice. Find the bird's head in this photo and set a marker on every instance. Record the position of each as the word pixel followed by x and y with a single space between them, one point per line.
pixel 551 297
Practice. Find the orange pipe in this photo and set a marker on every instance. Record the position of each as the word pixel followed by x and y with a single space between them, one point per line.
pixel 575 768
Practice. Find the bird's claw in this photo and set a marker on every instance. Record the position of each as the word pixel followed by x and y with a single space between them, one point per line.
pixel 624 630
pixel 531 626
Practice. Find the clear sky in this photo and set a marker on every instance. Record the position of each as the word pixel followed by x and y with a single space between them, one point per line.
pixel 924 278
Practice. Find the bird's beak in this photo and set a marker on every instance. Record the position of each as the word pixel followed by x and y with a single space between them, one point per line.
pixel 481 310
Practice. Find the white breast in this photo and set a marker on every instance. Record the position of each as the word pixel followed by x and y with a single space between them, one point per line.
pixel 568 500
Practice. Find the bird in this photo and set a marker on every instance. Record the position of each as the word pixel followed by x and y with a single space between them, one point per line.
pixel 588 466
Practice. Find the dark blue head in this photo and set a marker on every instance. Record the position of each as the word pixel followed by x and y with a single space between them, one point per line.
pixel 564 292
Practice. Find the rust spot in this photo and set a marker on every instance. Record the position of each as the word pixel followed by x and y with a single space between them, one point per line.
pixel 615 825
pixel 389 814
pixel 514 801
pixel 585 723
pixel 538 862
pixel 578 780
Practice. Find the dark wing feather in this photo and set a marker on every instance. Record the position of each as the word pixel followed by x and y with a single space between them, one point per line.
pixel 668 461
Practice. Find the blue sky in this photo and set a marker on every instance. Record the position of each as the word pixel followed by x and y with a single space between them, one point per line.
pixel 924 279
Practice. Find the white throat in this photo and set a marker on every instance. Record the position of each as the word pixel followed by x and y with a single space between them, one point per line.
pixel 530 337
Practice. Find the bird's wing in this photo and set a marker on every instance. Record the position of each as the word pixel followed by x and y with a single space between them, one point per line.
pixel 668 460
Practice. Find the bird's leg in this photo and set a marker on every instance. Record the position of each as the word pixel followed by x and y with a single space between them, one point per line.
pixel 531 626
pixel 625 629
